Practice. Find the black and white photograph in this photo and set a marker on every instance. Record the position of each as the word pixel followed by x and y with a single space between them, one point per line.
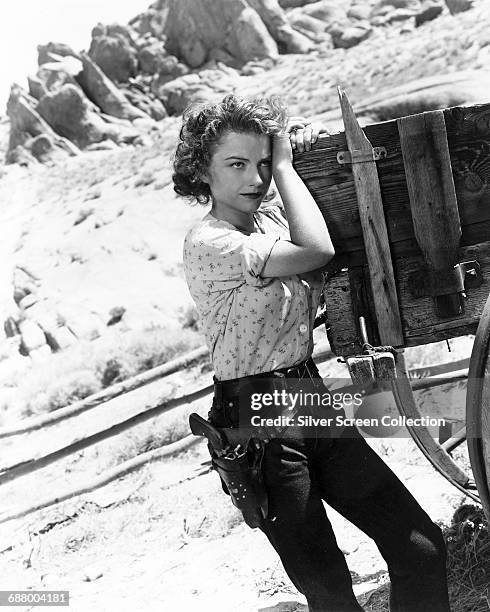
pixel 245 305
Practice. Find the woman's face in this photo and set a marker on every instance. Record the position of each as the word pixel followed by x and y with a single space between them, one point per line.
pixel 240 172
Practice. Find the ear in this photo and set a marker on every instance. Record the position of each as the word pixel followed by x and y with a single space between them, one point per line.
pixel 204 178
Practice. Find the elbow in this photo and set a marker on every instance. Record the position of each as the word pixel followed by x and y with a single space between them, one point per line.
pixel 325 253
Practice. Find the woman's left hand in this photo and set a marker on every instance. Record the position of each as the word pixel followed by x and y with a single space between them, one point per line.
pixel 303 133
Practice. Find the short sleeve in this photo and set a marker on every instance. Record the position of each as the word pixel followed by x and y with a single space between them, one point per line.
pixel 220 258
pixel 256 251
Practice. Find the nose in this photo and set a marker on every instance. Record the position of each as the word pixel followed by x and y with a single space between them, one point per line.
pixel 259 176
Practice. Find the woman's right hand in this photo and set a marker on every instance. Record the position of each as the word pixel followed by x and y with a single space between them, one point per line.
pixel 283 143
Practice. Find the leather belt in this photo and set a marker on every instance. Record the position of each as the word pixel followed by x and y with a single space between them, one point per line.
pixel 225 389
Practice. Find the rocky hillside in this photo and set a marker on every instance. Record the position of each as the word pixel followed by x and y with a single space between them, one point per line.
pixel 134 75
pixel 92 228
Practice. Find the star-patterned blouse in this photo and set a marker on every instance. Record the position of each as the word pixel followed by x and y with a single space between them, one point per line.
pixel 251 324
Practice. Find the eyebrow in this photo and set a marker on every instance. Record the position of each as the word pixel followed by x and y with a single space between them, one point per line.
pixel 245 158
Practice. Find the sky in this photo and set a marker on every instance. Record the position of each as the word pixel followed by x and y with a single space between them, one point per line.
pixel 26 23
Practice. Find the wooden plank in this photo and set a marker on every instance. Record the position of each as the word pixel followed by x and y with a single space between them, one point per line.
pixel 374 230
pixel 332 184
pixel 419 322
pixel 433 202
pixel 433 205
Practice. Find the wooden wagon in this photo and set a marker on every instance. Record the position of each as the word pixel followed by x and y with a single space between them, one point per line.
pixel 407 203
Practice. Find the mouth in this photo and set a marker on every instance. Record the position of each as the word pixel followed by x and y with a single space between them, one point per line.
pixel 253 195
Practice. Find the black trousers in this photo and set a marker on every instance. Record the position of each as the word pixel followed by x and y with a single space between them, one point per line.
pixel 351 478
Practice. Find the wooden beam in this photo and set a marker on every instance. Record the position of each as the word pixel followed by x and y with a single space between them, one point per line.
pixel 420 323
pixel 374 228
pixel 433 204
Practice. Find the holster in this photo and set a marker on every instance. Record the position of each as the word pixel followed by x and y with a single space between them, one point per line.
pixel 242 476
pixel 238 463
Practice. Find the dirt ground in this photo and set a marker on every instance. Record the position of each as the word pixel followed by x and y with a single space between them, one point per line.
pixel 164 537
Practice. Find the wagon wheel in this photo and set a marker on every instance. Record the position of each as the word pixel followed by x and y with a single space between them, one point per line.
pixel 478 409
pixel 436 453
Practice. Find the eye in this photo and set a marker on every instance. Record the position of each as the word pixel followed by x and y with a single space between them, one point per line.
pixel 266 163
pixel 237 164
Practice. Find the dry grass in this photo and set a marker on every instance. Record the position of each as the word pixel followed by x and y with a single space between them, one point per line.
pixel 468 545
pixel 89 366
pixel 468 565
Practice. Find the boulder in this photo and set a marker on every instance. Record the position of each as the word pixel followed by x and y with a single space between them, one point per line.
pixel 194 27
pixel 32 336
pixel 151 57
pixel 115 30
pixel 151 21
pixel 399 15
pixel 288 39
pixel 67 112
pixel 176 95
pixel 59 338
pixel 36 87
pixel 325 10
pixel 345 36
pixel 294 3
pixel 458 6
pixel 123 31
pixel 115 56
pixel 385 6
pixel 428 11
pixel 359 11
pixel 103 92
pixel 146 102
pixel 306 23
pixel 10 327
pixel 42 148
pixel 45 52
pixel 25 123
pixel 53 75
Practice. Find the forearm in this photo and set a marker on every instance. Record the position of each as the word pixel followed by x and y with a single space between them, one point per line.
pixel 307 226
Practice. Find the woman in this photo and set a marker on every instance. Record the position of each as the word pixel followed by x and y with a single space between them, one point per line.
pixel 252 269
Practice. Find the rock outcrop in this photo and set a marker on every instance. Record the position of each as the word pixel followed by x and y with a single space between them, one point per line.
pixel 194 28
pixel 115 56
pixel 25 125
pixel 288 39
pixel 53 75
pixel 67 112
pixel 103 92
pixel 53 51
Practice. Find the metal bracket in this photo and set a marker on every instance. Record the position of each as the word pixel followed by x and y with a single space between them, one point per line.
pixel 359 157
pixel 463 276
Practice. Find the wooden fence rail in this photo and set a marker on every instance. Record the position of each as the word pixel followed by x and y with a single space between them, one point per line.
pixel 94 400
pixel 12 472
pixel 105 478
pixel 31 465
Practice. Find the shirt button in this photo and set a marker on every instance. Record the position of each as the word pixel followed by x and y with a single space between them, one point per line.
pixel 303 328
pixel 301 292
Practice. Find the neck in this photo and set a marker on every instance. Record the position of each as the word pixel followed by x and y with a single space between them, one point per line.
pixel 243 221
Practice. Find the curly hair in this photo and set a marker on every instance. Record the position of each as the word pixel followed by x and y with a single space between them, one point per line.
pixel 203 126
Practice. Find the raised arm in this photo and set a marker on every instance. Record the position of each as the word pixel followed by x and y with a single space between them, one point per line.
pixel 310 246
